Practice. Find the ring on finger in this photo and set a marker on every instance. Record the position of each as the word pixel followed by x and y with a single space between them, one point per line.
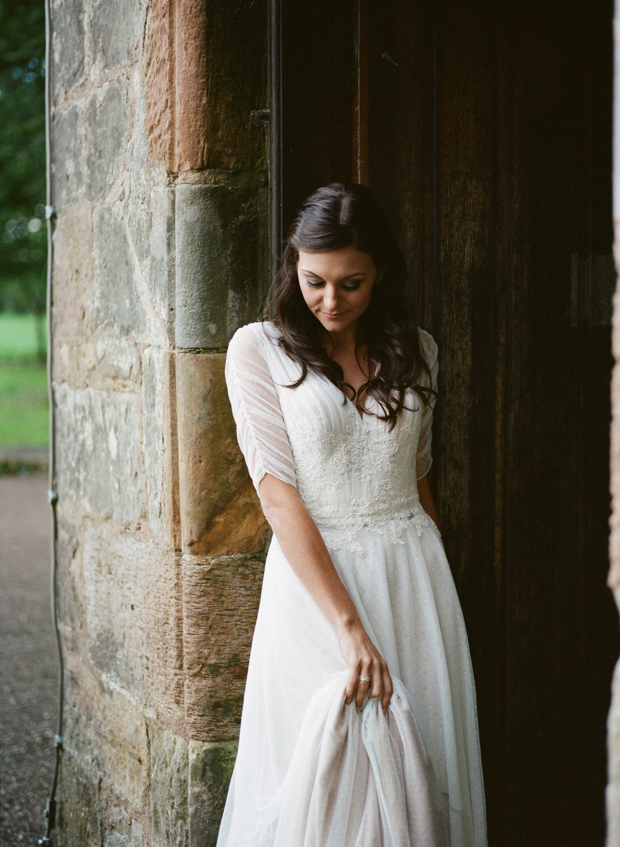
pixel 365 678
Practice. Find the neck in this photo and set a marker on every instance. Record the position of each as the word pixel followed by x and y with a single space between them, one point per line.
pixel 339 342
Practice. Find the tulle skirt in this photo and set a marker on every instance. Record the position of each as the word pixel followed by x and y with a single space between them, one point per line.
pixel 314 772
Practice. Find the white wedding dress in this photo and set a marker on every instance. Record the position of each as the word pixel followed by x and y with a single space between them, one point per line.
pixel 312 771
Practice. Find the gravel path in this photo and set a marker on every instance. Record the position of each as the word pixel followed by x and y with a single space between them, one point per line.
pixel 28 663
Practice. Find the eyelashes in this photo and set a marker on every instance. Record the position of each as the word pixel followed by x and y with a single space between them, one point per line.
pixel 353 287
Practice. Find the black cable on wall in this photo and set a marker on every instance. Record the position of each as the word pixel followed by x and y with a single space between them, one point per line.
pixel 50 215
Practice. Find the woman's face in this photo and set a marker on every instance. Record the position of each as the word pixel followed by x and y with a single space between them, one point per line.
pixel 337 286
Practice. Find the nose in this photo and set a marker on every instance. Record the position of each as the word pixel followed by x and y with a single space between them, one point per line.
pixel 330 298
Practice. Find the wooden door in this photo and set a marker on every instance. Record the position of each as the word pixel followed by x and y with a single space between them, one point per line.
pixel 489 142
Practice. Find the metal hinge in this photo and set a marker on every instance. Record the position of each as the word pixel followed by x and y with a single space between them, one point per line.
pixel 260 117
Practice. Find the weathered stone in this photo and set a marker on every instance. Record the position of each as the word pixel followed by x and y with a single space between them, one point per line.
pixel 108 122
pixel 114 26
pixel 119 828
pixel 155 643
pixel 113 572
pixel 159 81
pixel 121 606
pixel 98 451
pixel 212 474
pixel 104 361
pixel 73 264
pixel 78 803
pixel 153 388
pixel 163 621
pixel 89 141
pixel 68 45
pixel 117 302
pixel 162 250
pixel 169 787
pixel 219 288
pixel 105 727
pixel 69 171
pixel 221 76
pixel 210 769
pixel 220 603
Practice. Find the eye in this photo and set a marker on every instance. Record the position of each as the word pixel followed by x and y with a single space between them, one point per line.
pixel 353 286
pixel 313 282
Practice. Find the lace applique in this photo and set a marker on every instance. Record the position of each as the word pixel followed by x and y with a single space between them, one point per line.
pixel 364 452
pixel 340 530
pixel 312 472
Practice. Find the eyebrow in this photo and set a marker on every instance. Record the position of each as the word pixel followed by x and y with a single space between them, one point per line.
pixel 318 276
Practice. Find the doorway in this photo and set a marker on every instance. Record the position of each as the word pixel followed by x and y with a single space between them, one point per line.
pixel 485 130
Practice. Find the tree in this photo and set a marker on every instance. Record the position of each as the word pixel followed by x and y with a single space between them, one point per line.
pixel 22 156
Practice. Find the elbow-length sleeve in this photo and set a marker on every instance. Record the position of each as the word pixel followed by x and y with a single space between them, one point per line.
pixel 424 458
pixel 261 430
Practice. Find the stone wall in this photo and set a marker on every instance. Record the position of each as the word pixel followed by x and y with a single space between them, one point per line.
pixel 160 253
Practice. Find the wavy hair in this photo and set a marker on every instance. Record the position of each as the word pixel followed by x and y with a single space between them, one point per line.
pixel 332 218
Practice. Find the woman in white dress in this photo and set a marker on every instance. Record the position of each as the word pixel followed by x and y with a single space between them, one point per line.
pixel 359 724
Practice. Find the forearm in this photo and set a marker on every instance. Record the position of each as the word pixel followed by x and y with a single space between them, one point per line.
pixel 305 550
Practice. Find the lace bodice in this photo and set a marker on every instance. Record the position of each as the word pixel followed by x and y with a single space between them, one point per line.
pixel 350 470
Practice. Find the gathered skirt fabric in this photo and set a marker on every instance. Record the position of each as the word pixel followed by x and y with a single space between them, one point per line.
pixel 314 772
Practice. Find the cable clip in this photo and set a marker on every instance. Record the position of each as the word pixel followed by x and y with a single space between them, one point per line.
pixel 52 499
pixel 50 212
pixel 58 741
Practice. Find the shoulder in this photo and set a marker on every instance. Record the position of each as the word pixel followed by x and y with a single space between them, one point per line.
pixel 428 346
pixel 252 338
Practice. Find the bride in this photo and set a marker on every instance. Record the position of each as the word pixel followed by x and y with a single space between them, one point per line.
pixel 359 723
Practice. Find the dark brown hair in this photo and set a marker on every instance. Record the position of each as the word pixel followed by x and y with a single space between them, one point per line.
pixel 332 218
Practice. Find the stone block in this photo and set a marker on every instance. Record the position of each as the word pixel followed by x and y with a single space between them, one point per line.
pixel 121 606
pixel 221 76
pixel 169 787
pixel 69 583
pixel 116 302
pixel 105 729
pixel 153 399
pixel 221 260
pixel 158 74
pixel 161 453
pixel 115 32
pixel 220 512
pixel 162 262
pixel 78 803
pixel 107 116
pixel 114 567
pixel 68 46
pixel 162 617
pixel 220 603
pixel 98 451
pixel 69 167
pixel 210 769
pixel 119 828
pixel 73 273
pixel 89 141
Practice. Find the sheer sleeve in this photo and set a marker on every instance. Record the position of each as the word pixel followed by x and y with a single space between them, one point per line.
pixel 261 430
pixel 424 458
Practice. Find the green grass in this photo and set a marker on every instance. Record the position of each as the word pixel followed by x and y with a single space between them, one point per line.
pixel 23 384
pixel 18 335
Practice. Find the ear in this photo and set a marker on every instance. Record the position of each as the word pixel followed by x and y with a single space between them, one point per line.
pixel 381 274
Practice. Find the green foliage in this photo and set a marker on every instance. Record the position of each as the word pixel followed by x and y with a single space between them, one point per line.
pixel 20 335
pixel 23 384
pixel 23 403
pixel 22 156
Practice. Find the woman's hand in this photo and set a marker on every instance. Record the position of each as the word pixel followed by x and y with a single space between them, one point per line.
pixel 364 660
pixel 305 550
